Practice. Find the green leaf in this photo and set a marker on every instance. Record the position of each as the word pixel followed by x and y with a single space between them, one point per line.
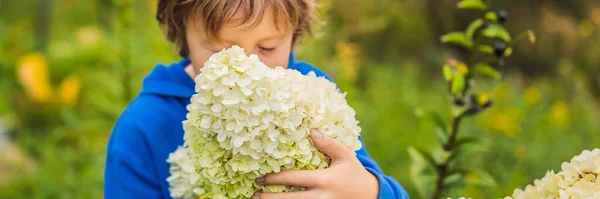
pixel 458 84
pixel 473 27
pixel 491 16
pixel 422 183
pixel 417 153
pixel 527 34
pixel 422 177
pixel 457 171
pixel 480 178
pixel 447 72
pixel 472 4
pixel 467 140
pixel 434 117
pixel 486 70
pixel 458 174
pixel 455 176
pixel 508 52
pixel 486 49
pixel 461 149
pixel 441 135
pixel 457 38
pixel 496 31
pixel 457 153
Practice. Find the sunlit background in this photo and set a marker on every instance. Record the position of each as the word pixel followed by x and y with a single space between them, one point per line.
pixel 68 68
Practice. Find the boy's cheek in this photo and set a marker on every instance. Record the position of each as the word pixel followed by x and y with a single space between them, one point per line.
pixel 198 59
pixel 279 58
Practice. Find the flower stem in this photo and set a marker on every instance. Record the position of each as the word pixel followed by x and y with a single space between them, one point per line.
pixel 443 167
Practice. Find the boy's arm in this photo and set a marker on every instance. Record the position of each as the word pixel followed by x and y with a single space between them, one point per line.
pixel 389 188
pixel 128 171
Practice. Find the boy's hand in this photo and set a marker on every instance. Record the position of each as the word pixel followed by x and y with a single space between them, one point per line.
pixel 345 178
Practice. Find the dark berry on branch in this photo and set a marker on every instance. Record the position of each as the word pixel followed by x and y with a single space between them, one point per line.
pixel 471 111
pixel 459 102
pixel 473 99
pixel 502 16
pixel 487 104
pixel 499 48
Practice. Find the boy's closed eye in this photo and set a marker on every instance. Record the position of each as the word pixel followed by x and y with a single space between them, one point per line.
pixel 262 49
pixel 267 49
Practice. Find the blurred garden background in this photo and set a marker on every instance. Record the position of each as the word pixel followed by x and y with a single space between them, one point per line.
pixel 68 68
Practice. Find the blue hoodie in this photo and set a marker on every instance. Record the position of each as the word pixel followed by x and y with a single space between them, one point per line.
pixel 150 128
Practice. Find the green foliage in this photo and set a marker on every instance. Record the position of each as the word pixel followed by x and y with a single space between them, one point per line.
pixel 472 4
pixel 458 38
pixel 396 70
pixel 486 70
pixel 496 31
pixel 460 76
pixel 470 32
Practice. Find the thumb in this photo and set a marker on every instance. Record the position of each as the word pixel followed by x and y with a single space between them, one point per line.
pixel 332 148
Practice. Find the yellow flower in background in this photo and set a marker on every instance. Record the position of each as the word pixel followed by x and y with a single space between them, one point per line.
pixel 347 57
pixel 532 95
pixel 586 28
pixel 69 89
pixel 88 36
pixel 559 113
pixel 482 99
pixel 32 74
pixel 505 121
pixel 505 124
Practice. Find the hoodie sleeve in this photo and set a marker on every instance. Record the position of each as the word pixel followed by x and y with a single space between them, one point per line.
pixel 128 171
pixel 389 188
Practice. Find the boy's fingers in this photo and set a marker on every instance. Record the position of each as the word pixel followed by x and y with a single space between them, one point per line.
pixel 286 195
pixel 302 178
pixel 332 148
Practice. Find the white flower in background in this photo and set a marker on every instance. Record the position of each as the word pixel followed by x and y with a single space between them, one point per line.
pixel 248 120
pixel 183 175
pixel 579 178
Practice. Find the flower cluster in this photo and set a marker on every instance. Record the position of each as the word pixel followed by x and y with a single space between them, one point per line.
pixel 247 120
pixel 579 178
pixel 183 177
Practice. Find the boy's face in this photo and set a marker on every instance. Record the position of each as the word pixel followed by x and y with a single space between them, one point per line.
pixel 272 45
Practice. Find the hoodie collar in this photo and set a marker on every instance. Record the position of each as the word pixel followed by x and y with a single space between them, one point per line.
pixel 172 80
pixel 169 80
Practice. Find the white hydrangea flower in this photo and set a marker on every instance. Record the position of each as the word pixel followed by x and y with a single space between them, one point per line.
pixel 183 175
pixel 579 178
pixel 247 120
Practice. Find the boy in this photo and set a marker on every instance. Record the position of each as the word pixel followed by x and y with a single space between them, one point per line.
pixel 150 127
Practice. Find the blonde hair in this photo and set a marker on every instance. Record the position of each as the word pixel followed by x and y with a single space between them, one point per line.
pixel 172 15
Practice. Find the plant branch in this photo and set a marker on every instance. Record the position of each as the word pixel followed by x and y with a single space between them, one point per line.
pixel 443 167
pixel 455 127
